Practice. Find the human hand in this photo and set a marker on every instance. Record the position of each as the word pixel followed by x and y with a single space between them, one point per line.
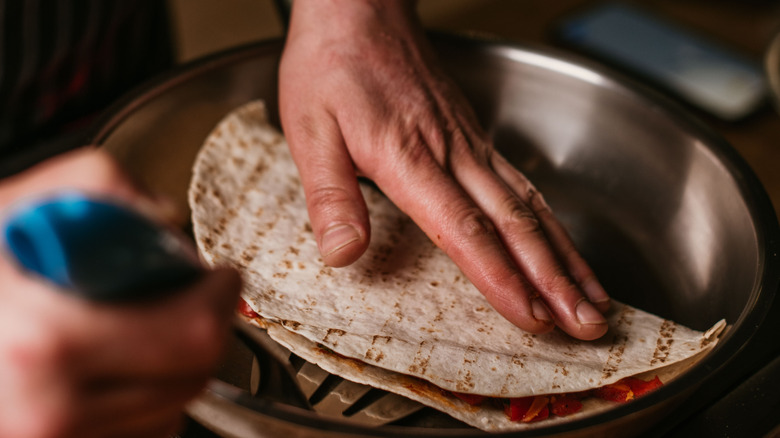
pixel 361 95
pixel 73 368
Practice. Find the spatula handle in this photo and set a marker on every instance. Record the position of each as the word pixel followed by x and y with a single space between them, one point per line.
pixel 96 248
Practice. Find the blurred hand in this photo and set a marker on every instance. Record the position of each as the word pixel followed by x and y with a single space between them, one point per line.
pixel 72 368
pixel 361 95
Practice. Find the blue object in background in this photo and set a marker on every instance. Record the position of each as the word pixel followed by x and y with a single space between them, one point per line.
pixel 97 249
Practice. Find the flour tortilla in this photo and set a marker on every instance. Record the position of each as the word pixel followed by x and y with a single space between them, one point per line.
pixel 404 308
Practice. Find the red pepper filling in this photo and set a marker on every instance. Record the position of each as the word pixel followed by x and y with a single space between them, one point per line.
pixel 244 309
pixel 539 407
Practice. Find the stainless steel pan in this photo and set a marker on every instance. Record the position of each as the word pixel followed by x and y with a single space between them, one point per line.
pixel 668 214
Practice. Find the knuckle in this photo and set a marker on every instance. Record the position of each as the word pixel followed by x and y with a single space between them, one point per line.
pixel 473 223
pixel 518 218
pixel 416 150
pixel 555 283
pixel 324 198
pixel 537 202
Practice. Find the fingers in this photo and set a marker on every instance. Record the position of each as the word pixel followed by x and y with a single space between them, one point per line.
pixel 98 370
pixel 438 204
pixel 575 265
pixel 337 211
pixel 94 172
pixel 522 222
pixel 181 336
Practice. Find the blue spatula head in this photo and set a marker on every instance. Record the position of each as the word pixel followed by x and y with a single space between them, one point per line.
pixel 97 248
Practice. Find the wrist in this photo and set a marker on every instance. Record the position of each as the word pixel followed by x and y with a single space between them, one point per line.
pixel 350 17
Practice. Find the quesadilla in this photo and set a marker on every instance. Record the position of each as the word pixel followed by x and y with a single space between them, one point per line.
pixel 403 317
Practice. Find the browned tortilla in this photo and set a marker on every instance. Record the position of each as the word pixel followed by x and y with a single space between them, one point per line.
pixel 404 308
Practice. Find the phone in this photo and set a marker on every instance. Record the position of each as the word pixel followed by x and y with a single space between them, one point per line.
pixel 698 70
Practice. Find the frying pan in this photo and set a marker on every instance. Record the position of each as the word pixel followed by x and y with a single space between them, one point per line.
pixel 666 212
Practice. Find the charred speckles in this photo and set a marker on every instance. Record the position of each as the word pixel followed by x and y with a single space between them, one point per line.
pixel 248 254
pixel 257 171
pixel 509 381
pixel 619 342
pixel 286 264
pixel 333 333
pixel 466 383
pixel 220 226
pixel 422 358
pixel 470 355
pixel 288 197
pixel 238 161
pixel 560 368
pixel 374 353
pixel 615 357
pixel 397 312
pixel 294 251
pixel 307 227
pixel 270 225
pixel 327 271
pixel 664 342
pixel 528 340
pixel 218 196
pixel 208 243
pixel 485 328
pixel 379 339
pixel 290 324
pixel 518 360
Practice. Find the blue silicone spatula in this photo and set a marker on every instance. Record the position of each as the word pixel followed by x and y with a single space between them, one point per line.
pixel 96 248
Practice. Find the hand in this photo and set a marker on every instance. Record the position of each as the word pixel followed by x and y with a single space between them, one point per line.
pixel 361 95
pixel 73 368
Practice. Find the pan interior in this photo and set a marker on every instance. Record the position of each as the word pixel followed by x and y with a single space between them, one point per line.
pixel 650 199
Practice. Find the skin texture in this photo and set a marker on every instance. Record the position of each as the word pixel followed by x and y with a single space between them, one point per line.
pixel 361 95
pixel 71 368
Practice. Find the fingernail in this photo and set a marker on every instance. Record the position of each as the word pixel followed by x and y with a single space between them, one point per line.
pixel 587 314
pixel 595 292
pixel 337 237
pixel 540 311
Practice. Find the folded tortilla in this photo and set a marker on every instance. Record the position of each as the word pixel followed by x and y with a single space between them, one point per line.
pixel 404 312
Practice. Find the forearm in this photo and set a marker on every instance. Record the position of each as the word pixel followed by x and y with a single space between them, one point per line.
pixel 343 18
